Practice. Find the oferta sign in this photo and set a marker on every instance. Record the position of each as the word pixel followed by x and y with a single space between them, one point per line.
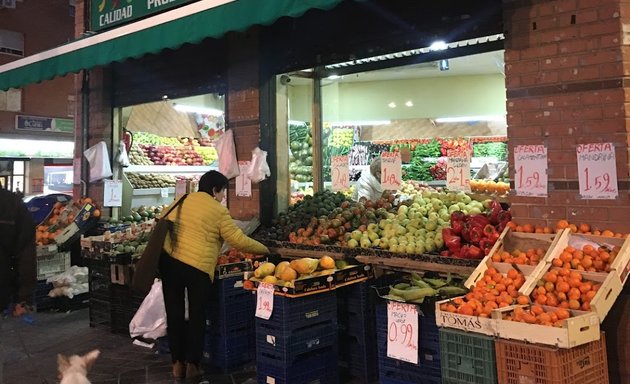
pixel 110 13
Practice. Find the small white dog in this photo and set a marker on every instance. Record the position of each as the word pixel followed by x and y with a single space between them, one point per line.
pixel 74 369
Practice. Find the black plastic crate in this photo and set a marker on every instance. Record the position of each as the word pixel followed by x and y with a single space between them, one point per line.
pixel 295 313
pixel 100 313
pixel 317 367
pixel 396 376
pixel 358 360
pixel 162 346
pixel 274 343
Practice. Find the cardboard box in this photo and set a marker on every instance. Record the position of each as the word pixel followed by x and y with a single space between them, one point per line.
pixel 476 324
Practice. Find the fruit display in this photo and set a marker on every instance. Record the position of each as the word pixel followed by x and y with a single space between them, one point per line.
pixel 235 256
pixel 417 288
pixel 438 170
pixel 208 155
pixel 301 154
pixel 61 216
pixel 137 156
pixel 287 272
pixel 150 180
pixel 489 186
pixel 590 258
pixel 531 256
pixel 496 149
pixel 140 214
pixel 562 287
pixel 537 314
pixel 170 155
pixel 457 144
pixel 341 137
pixel 583 228
pixel 151 149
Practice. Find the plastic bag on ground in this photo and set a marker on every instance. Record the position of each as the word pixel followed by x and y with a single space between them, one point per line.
pixel 149 322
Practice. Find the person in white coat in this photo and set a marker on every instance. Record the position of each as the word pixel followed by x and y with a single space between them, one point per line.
pixel 369 184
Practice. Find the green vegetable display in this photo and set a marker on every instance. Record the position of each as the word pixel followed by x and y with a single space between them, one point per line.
pixel 498 150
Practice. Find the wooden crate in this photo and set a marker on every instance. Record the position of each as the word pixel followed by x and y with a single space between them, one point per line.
pixel 581 328
pixel 519 362
pixel 509 241
pixel 486 326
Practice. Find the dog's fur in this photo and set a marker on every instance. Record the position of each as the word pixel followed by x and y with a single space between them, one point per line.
pixel 74 369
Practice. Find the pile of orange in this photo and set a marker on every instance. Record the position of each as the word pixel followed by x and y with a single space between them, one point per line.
pixel 489 186
pixel 565 288
pixel 588 259
pixel 60 217
pixel 530 257
pixel 492 291
pixel 536 314
pixel 586 229
pixel 529 228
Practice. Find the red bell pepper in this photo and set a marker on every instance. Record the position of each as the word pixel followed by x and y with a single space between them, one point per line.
pixel 474 252
pixel 476 234
pixel 477 221
pixel 452 241
pixel 495 209
pixel 491 233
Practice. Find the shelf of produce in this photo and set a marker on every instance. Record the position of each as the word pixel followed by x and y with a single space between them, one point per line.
pixel 152 191
pixel 403 264
pixel 170 168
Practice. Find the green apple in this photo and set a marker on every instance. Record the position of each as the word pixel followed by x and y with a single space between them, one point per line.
pixel 410 248
pixel 429 245
pixel 352 243
pixel 384 243
pixel 431 225
pixel 356 235
pixel 474 211
pixel 372 227
pixel 365 242
pixel 439 242
pixel 420 248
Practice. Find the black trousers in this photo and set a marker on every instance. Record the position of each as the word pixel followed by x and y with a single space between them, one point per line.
pixel 186 338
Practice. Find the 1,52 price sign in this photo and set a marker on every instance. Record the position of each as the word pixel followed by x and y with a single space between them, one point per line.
pixel 597 171
pixel 530 174
pixel 458 171
pixel 402 331
pixel 340 173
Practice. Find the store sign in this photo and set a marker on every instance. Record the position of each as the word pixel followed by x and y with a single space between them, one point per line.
pixel 264 300
pixel 391 165
pixel 530 175
pixel 340 173
pixel 112 193
pixel 48 124
pixel 458 171
pixel 402 331
pixel 243 182
pixel 597 171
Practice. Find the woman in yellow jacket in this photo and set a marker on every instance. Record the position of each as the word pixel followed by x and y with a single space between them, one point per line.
pixel 200 224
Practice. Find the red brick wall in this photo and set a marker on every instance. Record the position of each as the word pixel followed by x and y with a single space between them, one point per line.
pixel 45 25
pixel 565 74
pixel 243 112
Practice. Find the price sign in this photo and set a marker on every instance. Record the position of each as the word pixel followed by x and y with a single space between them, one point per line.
pixel 340 173
pixel 391 165
pixel 180 187
pixel 112 193
pixel 264 301
pixel 458 171
pixel 402 331
pixel 530 175
pixel 243 183
pixel 597 171
pixel 164 192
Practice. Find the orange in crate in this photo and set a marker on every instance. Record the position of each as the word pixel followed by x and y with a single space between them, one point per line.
pixel 519 363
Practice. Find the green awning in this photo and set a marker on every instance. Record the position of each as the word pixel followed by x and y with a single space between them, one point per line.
pixel 189 24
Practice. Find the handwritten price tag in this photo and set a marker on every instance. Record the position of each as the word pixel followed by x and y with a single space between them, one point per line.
pixel 597 171
pixel 402 331
pixel 340 173
pixel 530 176
pixel 112 193
pixel 243 182
pixel 458 171
pixel 264 301
pixel 391 165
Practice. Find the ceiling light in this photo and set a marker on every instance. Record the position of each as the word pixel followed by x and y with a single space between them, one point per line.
pixel 200 110
pixel 438 46
pixel 409 103
pixel 333 77
pixel 468 119
pixel 392 105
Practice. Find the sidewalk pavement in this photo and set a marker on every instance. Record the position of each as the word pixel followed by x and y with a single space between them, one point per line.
pixel 31 353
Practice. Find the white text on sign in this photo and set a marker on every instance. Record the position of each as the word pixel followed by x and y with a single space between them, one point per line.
pixel 402 331
pixel 340 173
pixel 597 171
pixel 264 300
pixel 391 165
pixel 530 175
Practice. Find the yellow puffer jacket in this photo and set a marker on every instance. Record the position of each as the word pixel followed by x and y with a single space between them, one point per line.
pixel 200 224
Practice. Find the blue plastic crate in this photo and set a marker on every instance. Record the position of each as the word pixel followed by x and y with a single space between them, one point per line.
pixel 278 345
pixel 317 367
pixel 360 360
pixel 229 351
pixel 228 287
pixel 301 312
pixel 236 313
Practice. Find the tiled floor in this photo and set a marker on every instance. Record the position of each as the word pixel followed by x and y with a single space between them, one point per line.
pixel 31 353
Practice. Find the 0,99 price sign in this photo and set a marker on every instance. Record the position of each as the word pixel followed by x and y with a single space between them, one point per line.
pixel 458 171
pixel 530 175
pixel 402 331
pixel 340 173
pixel 597 171
pixel 391 165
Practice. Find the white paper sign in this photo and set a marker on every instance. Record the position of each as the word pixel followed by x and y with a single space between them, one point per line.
pixel 243 183
pixel 164 192
pixel 391 165
pixel 340 173
pixel 530 175
pixel 458 171
pixel 112 193
pixel 597 171
pixel 180 187
pixel 264 300
pixel 402 331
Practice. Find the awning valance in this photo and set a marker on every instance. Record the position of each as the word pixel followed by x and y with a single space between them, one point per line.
pixel 189 24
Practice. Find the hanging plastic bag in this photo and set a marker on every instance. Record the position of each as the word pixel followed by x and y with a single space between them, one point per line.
pixel 98 158
pixel 123 158
pixel 149 322
pixel 228 163
pixel 258 168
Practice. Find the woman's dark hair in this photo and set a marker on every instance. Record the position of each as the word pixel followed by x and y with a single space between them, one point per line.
pixel 212 182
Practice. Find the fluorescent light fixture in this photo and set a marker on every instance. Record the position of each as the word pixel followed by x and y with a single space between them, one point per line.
pixel 409 103
pixel 438 46
pixel 200 110
pixel 334 77
pixel 466 119
pixel 358 122
pixel 392 105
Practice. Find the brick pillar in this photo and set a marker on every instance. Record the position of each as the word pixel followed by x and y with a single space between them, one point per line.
pixel 565 73
pixel 243 113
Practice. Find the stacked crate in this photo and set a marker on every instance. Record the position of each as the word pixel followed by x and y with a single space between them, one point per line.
pixel 298 344
pixel 357 333
pixel 393 371
pixel 230 326
pixel 467 357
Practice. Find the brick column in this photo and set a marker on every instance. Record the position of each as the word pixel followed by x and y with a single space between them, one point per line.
pixel 565 73
pixel 243 113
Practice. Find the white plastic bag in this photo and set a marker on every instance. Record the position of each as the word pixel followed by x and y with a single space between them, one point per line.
pixel 258 168
pixel 123 158
pixel 228 163
pixel 98 158
pixel 150 320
